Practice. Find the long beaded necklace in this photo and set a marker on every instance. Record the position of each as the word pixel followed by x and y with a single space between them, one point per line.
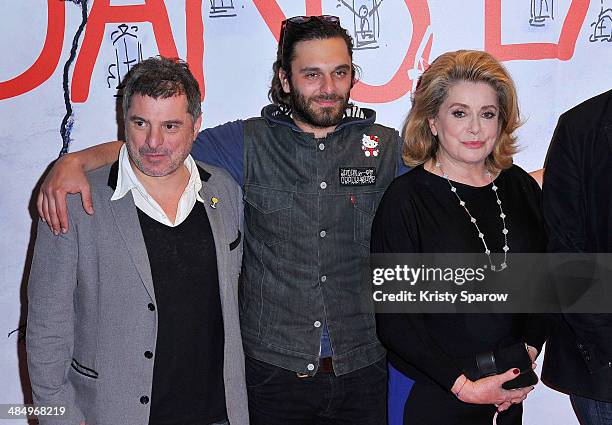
pixel 481 235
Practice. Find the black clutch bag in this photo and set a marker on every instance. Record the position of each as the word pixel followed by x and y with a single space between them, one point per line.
pixel 499 361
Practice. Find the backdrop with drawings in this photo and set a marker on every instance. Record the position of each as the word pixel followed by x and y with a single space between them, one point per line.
pixel 64 59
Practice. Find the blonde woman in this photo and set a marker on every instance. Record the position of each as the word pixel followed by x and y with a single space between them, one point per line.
pixel 459 139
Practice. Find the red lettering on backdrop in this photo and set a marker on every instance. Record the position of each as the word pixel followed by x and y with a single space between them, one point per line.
pixel 313 8
pixel 563 50
pixel 272 15
pixel 102 13
pixel 401 82
pixel 49 57
pixel 195 41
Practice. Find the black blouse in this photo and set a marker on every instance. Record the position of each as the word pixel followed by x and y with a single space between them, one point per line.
pixel 419 213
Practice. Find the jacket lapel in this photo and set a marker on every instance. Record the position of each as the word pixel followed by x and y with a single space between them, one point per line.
pixel 215 211
pixel 127 221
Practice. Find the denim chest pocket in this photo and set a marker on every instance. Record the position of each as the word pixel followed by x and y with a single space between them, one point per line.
pixel 364 209
pixel 268 213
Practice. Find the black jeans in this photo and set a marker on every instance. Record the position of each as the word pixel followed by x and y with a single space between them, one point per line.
pixel 279 397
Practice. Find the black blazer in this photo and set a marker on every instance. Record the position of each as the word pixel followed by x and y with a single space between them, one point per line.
pixel 578 213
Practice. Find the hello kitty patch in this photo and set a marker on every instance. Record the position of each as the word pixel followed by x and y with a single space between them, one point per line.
pixel 369 146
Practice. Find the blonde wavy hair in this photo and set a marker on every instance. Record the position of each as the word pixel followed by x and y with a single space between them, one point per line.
pixel 451 68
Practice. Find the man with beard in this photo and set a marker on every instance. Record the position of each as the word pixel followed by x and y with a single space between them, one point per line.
pixel 313 169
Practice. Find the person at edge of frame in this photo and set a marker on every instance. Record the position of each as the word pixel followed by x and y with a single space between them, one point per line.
pixel 133 313
pixel 313 169
pixel 577 210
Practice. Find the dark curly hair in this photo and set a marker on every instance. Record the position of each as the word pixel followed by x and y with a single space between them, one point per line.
pixel 315 28
pixel 160 77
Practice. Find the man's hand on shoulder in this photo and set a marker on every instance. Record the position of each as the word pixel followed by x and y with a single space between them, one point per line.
pixel 538 176
pixel 66 176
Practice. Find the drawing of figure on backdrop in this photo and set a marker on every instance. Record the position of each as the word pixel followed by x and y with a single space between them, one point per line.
pixel 222 9
pixel 366 22
pixel 128 52
pixel 602 28
pixel 541 10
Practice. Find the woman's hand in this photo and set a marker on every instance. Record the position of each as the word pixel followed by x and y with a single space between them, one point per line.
pixel 533 353
pixel 489 390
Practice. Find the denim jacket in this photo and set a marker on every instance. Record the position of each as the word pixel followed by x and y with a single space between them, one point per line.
pixel 309 205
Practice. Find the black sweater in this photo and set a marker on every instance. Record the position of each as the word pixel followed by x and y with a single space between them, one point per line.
pixel 188 384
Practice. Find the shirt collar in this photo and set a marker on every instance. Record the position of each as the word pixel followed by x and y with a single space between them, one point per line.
pixel 127 179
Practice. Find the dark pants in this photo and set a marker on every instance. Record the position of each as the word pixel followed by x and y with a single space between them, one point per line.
pixel 592 412
pixel 279 397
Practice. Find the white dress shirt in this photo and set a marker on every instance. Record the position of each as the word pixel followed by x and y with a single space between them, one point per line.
pixel 128 181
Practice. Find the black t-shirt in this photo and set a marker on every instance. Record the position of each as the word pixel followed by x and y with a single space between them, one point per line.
pixel 419 213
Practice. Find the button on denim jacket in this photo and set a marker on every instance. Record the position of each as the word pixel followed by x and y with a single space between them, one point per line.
pixel 309 205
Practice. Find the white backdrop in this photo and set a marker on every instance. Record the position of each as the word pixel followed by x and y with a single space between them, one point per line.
pixel 62 61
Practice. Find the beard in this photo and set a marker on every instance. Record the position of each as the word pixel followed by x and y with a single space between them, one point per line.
pixel 306 110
